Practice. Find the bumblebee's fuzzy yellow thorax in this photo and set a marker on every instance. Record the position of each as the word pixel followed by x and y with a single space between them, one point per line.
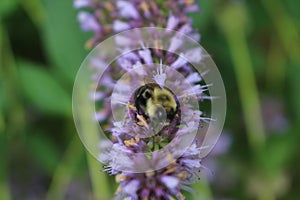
pixel 164 98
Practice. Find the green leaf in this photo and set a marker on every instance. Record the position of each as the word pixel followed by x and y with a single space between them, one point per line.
pixel 43 91
pixel 101 187
pixel 64 41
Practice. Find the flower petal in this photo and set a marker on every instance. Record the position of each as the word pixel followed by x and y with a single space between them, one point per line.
pixel 127 9
pixel 170 181
pixel 81 3
pixel 120 26
pixel 88 22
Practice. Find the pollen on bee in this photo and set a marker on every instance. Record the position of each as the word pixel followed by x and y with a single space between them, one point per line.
pixel 131 142
pixel 150 173
pixel 131 107
pixel 120 178
pixel 189 2
pixel 89 44
pixel 137 139
pixel 170 158
pixel 144 6
pixel 170 169
pixel 142 121
pixel 182 175
pixel 110 7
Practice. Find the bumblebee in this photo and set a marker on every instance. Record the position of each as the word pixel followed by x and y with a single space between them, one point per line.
pixel 156 104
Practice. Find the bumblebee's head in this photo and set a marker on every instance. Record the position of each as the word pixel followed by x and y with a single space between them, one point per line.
pixel 155 104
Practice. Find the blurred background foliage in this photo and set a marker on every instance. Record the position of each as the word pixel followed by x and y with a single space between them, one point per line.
pixel 256 46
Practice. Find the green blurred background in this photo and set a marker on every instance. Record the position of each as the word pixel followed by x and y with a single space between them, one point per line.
pixel 256 46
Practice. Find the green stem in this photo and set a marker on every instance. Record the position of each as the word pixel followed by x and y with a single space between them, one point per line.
pixel 5 192
pixel 99 179
pixel 285 27
pixel 235 33
pixel 247 88
pixel 89 134
pixel 233 22
pixel 65 170
pixel 275 68
pixel 10 79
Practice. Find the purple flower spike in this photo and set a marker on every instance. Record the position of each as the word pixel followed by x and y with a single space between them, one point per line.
pixel 149 97
pixel 151 113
